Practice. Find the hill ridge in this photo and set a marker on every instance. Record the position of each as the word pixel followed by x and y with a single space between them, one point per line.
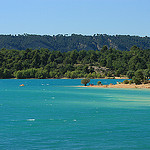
pixel 66 42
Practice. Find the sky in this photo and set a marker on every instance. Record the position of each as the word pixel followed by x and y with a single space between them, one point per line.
pixel 87 17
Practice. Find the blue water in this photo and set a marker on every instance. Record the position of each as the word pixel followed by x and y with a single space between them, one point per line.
pixel 53 114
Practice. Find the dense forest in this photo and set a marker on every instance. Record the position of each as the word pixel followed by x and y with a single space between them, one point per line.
pixel 64 43
pixel 44 63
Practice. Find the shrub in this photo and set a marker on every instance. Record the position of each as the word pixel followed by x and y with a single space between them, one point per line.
pixel 126 82
pixel 99 83
pixel 130 81
pixel 136 80
pixel 145 82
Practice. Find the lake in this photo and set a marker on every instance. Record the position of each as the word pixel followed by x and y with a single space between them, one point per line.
pixel 54 114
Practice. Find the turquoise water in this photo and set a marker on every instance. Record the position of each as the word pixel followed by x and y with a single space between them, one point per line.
pixel 52 114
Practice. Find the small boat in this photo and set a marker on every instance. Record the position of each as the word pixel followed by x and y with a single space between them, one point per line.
pixel 21 85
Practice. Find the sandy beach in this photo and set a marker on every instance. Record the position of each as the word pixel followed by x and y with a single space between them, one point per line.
pixel 141 86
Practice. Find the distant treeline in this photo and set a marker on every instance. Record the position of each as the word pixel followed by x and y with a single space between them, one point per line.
pixel 66 43
pixel 72 64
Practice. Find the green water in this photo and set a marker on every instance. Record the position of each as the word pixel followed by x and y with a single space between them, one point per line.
pixel 51 114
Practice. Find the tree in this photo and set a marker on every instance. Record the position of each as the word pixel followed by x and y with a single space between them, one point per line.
pixel 73 74
pixel 109 63
pixel 85 69
pixel 139 74
pixel 85 81
pixel 41 74
pixel 109 74
pixel 1 73
pixel 146 73
pixel 19 74
pixel 139 77
pixel 99 83
pixel 130 74
pixel 7 73
pixel 104 49
pixel 136 80
pixel 73 56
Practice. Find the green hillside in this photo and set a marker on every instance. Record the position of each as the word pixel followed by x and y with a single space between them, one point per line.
pixel 66 43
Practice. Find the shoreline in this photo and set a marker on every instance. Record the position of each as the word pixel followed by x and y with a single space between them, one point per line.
pixel 74 78
pixel 127 86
